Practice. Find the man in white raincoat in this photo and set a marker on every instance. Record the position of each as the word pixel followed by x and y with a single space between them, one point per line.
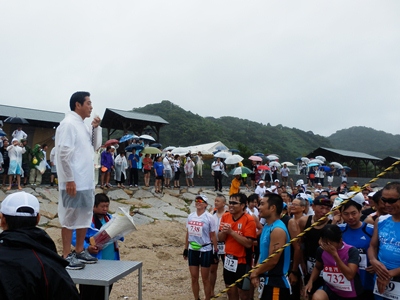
pixel 75 145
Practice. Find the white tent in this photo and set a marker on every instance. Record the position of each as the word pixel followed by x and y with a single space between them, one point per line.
pixel 204 148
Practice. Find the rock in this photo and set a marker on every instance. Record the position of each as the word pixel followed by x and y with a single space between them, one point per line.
pixel 142 194
pixel 177 202
pixel 2 195
pixel 188 196
pixel 117 195
pixel 54 223
pixel 142 220
pixel 173 212
pixel 194 190
pixel 115 204
pixel 28 190
pixel 155 213
pixel 49 194
pixel 43 221
pixel 133 202
pixel 128 191
pixel 153 202
pixel 48 209
pixel 180 220
pixel 172 192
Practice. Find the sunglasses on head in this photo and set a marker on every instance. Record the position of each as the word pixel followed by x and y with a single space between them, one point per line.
pixel 390 200
pixel 233 202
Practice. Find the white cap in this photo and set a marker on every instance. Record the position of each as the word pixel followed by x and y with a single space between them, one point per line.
pixel 299 182
pixel 14 202
pixel 261 181
pixel 276 180
pixel 202 197
pixel 359 198
pixel 371 194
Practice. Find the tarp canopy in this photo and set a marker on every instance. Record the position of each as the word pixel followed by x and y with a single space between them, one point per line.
pixel 205 149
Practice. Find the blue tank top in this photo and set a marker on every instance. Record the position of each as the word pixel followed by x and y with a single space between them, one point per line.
pixel 276 277
pixel 389 242
pixel 360 239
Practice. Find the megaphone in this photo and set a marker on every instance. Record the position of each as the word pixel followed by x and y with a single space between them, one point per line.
pixel 120 225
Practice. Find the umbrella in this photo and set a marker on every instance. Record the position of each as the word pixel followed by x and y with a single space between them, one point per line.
pixel 274 164
pixel 156 145
pixel 325 168
pixel 263 167
pixel 316 161
pixel 169 148
pixel 305 159
pixel 255 158
pixel 16 120
pixel 234 150
pixel 258 154
pixel 221 147
pixel 147 137
pixel 348 169
pixel 336 165
pixel 127 137
pixel 133 146
pixel 2 133
pixel 313 165
pixel 111 142
pixel 288 164
pixel 151 150
pixel 272 157
pixel 222 154
pixel 320 157
pixel 240 170
pixel 233 159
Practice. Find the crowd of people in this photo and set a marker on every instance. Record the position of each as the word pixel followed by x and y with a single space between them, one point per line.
pixel 351 253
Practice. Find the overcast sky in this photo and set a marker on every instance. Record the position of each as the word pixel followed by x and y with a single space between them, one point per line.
pixel 313 65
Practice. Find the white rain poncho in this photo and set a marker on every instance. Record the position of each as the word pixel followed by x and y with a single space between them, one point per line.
pixel 121 165
pixel 74 161
pixel 15 155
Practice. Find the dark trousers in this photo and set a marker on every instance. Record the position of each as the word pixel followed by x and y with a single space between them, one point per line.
pixel 92 292
pixel 133 173
pixel 218 180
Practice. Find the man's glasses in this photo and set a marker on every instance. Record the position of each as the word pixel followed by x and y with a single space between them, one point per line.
pixel 199 201
pixel 233 202
pixel 294 204
pixel 390 200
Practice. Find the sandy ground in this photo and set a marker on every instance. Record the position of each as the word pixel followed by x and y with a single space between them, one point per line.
pixel 165 273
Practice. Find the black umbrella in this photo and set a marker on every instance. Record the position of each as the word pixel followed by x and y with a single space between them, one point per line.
pixel 16 120
pixel 2 133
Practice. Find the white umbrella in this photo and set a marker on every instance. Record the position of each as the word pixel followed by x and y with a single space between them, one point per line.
pixel 275 164
pixel 147 137
pixel 320 157
pixel 288 164
pixel 336 165
pixel 233 159
pixel 272 157
pixel 169 148
pixel 222 154
pixel 305 160
pixel 316 161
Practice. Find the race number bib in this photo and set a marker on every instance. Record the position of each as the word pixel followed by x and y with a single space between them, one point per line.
pixel 311 264
pixel 195 228
pixel 261 287
pixel 363 261
pixel 392 290
pixel 221 248
pixel 336 279
pixel 230 263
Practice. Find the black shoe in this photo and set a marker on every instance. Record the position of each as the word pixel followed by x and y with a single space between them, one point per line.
pixel 85 257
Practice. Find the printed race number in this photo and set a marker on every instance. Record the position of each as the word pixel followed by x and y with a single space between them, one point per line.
pixel 392 290
pixel 230 263
pixel 336 279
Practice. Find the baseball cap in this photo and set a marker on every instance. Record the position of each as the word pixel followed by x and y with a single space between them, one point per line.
pixel 276 180
pixel 370 195
pixel 202 197
pixel 299 182
pixel 20 204
pixel 358 198
pixel 322 200
pixel 355 181
pixel 261 181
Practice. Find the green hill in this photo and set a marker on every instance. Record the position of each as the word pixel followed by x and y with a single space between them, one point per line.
pixel 186 128
pixel 368 140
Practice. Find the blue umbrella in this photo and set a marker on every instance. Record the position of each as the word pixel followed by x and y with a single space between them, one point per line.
pixel 126 137
pixel 156 145
pixel 134 146
pixel 325 168
pixel 313 165
pixel 221 147
pixel 258 154
pixel 215 152
pixel 348 169
pixel 298 158
pixel 2 133
pixel 234 150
